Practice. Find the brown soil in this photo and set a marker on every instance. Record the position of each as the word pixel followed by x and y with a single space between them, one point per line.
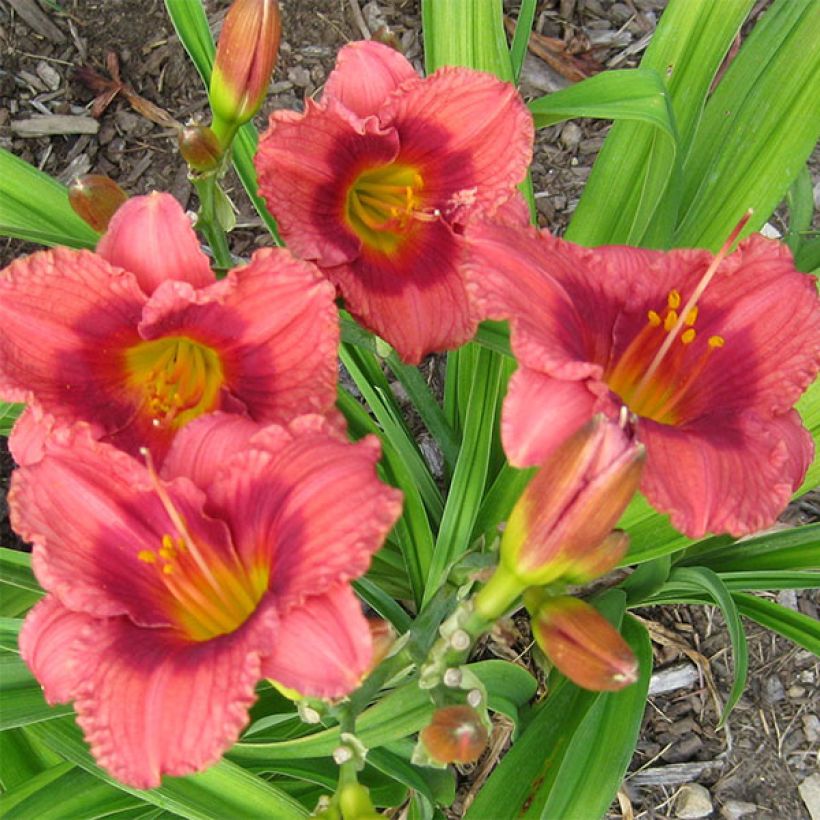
pixel 771 742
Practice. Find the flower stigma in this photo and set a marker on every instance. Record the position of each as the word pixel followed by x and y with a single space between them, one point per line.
pixel 178 377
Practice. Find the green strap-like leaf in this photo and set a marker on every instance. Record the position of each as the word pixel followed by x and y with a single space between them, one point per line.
pixel 467 487
pixel 758 128
pixel 521 38
pixel 637 94
pixel 594 765
pixel 638 168
pixel 34 207
pixel 23 702
pixel 795 626
pixel 468 33
pixel 702 579
pixel 224 790
pixel 791 549
pixel 73 792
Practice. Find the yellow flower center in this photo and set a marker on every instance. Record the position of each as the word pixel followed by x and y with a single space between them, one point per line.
pixel 656 371
pixel 384 203
pixel 211 592
pixel 177 378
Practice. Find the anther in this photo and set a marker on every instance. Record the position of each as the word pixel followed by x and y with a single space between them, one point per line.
pixel 688 336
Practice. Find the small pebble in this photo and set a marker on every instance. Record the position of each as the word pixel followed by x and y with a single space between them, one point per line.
pixel 773 691
pixel 571 135
pixel 299 76
pixel 811 728
pixel 693 801
pixel 733 809
pixel 681 727
pixel 685 749
pixel 787 597
pixel 810 792
pixel 795 692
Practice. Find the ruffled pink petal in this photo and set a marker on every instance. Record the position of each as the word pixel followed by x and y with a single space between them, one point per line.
pixel 539 413
pixel 65 318
pixel 769 315
pixel 324 646
pixel 90 509
pixel 308 506
pixel 366 73
pixel 416 298
pixel 275 327
pixel 202 447
pixel 306 164
pixel 151 237
pixel 153 704
pixel 469 134
pixel 513 274
pixel 733 478
pixel 47 643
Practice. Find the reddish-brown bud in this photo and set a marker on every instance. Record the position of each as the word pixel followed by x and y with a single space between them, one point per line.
pixel 200 147
pixel 584 645
pixel 561 522
pixel 383 636
pixel 245 58
pixel 455 735
pixel 95 199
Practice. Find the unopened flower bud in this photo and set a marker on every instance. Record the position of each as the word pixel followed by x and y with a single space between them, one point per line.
pixel 455 735
pixel 245 57
pixel 383 637
pixel 571 505
pixel 584 645
pixel 599 560
pixel 95 199
pixel 355 803
pixel 200 147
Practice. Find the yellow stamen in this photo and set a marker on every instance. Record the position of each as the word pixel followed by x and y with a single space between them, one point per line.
pixel 149 556
pixel 716 341
pixel 688 336
pixel 670 321
pixel 673 299
pixel 383 203
pixel 654 318
pixel 692 302
pixel 177 378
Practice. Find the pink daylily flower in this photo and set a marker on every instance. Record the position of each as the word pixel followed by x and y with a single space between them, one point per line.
pixel 170 596
pixel 725 448
pixel 139 338
pixel 376 181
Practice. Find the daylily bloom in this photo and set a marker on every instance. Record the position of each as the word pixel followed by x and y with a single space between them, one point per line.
pixel 170 596
pixel 375 182
pixel 713 375
pixel 139 338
